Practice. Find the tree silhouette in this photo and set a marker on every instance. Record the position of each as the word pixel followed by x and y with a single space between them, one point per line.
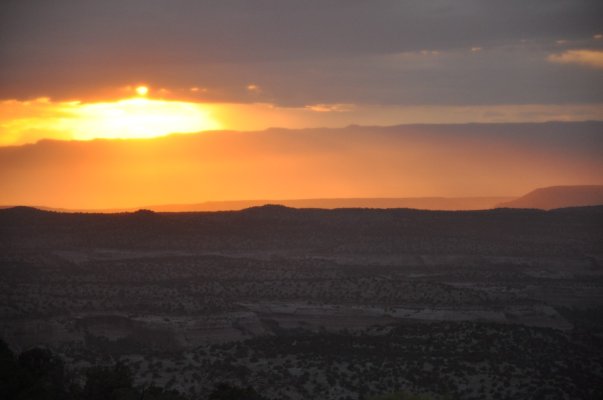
pixel 8 370
pixel 110 383
pixel 36 374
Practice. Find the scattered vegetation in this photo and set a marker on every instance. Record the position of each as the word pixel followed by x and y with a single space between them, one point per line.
pixel 302 304
pixel 38 374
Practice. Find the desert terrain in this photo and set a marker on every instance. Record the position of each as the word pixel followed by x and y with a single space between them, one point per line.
pixel 309 303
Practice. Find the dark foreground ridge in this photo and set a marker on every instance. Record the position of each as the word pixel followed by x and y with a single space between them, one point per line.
pixel 344 304
pixel 340 231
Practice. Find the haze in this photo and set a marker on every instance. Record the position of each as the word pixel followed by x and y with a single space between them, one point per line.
pixel 401 161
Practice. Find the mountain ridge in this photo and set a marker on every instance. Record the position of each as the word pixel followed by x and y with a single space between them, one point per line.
pixel 419 203
pixel 562 196
pixel 546 198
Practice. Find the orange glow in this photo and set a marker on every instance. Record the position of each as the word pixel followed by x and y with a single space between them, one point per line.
pixel 322 163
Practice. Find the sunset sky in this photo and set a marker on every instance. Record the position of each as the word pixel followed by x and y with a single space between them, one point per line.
pixel 82 70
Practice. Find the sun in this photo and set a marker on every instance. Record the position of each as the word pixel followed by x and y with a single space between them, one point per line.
pixel 142 90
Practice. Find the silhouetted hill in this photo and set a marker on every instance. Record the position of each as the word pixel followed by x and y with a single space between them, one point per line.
pixel 419 203
pixel 340 231
pixel 558 197
pixel 26 210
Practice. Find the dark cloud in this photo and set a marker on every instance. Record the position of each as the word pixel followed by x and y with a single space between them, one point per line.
pixel 302 52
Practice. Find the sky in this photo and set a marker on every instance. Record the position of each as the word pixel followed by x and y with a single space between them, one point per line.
pixel 80 70
pixel 299 53
pixel 251 65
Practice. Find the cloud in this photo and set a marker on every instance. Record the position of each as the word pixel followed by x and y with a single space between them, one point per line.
pixel 311 52
pixel 331 107
pixel 253 88
pixel 588 58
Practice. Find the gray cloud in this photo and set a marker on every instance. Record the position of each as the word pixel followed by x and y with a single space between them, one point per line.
pixel 303 52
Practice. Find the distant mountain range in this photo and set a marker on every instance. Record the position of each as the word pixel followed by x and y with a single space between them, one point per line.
pixel 421 203
pixel 351 167
pixel 544 198
pixel 559 197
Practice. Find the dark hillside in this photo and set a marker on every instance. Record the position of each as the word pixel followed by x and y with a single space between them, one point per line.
pixel 340 231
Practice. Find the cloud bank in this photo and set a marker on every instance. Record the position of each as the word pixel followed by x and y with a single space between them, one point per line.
pixel 589 58
pixel 297 54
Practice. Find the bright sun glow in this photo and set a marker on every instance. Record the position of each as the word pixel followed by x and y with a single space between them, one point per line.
pixel 142 90
pixel 131 118
pixel 139 118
